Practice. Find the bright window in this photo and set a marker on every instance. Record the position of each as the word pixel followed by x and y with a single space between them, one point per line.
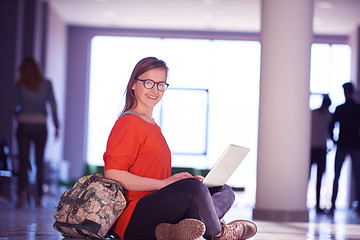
pixel 185 109
pixel 212 100
pixel 330 69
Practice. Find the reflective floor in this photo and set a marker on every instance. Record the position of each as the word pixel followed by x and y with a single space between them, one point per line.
pixel 344 225
pixel 34 223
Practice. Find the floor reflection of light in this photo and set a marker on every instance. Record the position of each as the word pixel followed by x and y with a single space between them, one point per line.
pixel 312 232
pixel 327 231
pixel 340 232
pixel 31 232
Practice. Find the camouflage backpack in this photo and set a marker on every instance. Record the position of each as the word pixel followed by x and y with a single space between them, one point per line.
pixel 90 208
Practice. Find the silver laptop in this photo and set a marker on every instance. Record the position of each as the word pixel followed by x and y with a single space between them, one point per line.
pixel 225 166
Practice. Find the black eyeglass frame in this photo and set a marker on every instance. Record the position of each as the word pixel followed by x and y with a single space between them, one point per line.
pixel 153 84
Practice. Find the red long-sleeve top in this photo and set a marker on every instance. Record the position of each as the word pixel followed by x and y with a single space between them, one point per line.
pixel 138 147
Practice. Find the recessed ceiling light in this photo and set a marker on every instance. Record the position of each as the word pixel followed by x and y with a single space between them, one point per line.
pixel 326 5
pixel 210 2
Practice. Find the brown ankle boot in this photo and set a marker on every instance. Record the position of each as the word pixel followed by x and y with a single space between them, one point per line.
pixel 187 229
pixel 237 230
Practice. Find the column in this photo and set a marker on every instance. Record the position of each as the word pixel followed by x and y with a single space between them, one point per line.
pixel 354 42
pixel 284 114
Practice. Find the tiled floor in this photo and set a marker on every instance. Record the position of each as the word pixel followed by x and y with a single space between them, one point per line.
pixel 30 223
pixel 344 225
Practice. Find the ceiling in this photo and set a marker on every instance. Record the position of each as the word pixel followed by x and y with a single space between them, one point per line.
pixel 331 17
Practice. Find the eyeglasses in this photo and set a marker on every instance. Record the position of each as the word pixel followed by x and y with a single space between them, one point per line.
pixel 149 84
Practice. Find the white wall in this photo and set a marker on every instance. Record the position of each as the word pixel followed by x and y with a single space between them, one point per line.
pixel 55 62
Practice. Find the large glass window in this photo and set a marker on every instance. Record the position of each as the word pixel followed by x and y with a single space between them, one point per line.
pixel 330 68
pixel 184 120
pixel 212 100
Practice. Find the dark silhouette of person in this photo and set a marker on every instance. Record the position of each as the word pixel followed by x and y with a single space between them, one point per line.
pixel 32 94
pixel 320 119
pixel 347 115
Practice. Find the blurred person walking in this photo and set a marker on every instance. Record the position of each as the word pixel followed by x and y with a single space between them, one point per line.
pixel 32 94
pixel 348 142
pixel 320 119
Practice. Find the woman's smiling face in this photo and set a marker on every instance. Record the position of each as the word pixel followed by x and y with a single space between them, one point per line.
pixel 148 98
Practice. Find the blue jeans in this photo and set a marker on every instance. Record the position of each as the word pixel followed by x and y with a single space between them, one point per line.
pixel 355 163
pixel 187 198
